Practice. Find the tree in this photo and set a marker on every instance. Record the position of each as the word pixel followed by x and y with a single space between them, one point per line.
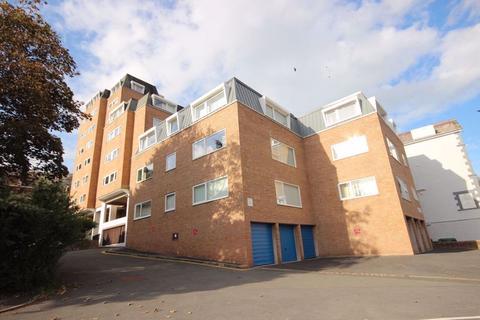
pixel 37 227
pixel 35 99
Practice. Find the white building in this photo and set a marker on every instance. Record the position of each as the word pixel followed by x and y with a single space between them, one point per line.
pixel 448 188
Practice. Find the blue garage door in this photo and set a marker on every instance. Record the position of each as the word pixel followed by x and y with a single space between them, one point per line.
pixel 308 244
pixel 287 240
pixel 262 244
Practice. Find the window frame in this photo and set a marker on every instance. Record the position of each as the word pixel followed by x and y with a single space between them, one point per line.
pixel 139 85
pixel 122 105
pixel 289 147
pixel 166 103
pixel 174 194
pixel 349 182
pixel 203 101
pixel 141 207
pixel 206 191
pixel 113 133
pixel 332 148
pixel 391 145
pixel 144 178
pixel 401 184
pixel 268 103
pixel 460 206
pixel 204 139
pixel 166 161
pixel 358 112
pixel 114 173
pixel 290 184
pixel 144 135
pixel 109 157
pixel 168 120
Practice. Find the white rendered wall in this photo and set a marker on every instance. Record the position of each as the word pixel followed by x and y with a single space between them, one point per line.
pixel 441 167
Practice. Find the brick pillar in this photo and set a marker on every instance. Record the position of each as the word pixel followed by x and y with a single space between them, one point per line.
pixel 278 245
pixel 418 235
pixel 299 242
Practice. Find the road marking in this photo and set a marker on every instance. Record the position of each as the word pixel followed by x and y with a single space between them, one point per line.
pixel 456 318
pixel 379 275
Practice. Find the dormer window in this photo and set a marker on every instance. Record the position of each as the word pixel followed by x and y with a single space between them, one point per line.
pixel 201 109
pixel 172 124
pixel 159 102
pixel 147 139
pixel 346 111
pixel 276 113
pixel 135 86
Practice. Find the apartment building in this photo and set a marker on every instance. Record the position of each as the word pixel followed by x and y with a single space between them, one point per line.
pixel 235 177
pixel 447 186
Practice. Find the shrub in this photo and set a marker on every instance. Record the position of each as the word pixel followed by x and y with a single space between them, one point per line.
pixel 35 229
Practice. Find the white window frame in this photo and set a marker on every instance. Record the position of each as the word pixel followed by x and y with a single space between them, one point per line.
pixel 84 179
pixel 349 182
pixel 87 161
pixel 174 201
pixel 206 191
pixel 173 154
pixel 204 139
pixel 139 85
pixel 140 204
pixel 392 150
pixel 76 184
pixel 122 106
pixel 165 103
pixel 169 119
pixel 144 178
pixel 358 112
pixel 112 155
pixel 113 102
pixel 83 197
pixel 404 192
pixel 145 134
pixel 290 184
pixel 286 145
pixel 114 133
pixel 332 148
pixel 266 102
pixel 203 101
pixel 110 180
pixel 89 144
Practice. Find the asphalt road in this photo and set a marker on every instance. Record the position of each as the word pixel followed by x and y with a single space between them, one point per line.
pixel 103 286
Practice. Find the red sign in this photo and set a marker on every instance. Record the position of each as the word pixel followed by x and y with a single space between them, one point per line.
pixel 194 231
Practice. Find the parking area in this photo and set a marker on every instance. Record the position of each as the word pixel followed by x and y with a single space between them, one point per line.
pixel 429 286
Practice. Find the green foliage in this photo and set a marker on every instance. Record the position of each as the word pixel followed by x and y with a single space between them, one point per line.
pixel 35 230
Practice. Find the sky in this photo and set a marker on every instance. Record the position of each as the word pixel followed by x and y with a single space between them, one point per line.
pixel 419 58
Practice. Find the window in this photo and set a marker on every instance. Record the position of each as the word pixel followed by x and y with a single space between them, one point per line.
pixel 147 139
pixel 83 197
pixel 137 87
pixel 466 200
pixel 113 102
pixel 403 189
pixel 87 161
pixel 288 194
pixel 110 178
pixel 414 193
pixel 112 134
pixel 341 113
pixel 208 106
pixel 81 151
pixel 171 161
pixel 143 210
pixel 77 184
pixel 283 153
pixel 159 102
pixel 210 190
pixel 89 144
pixel 172 124
pixel 112 155
pixel 117 112
pixel 358 188
pixel 145 173
pixel 79 167
pixel 208 144
pixel 91 128
pixel 84 179
pixel 170 202
pixel 392 150
pixel 350 147
pixel 278 115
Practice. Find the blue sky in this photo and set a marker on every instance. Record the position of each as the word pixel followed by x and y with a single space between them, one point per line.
pixel 419 58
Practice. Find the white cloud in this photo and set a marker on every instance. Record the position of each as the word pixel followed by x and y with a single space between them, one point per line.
pixel 337 48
